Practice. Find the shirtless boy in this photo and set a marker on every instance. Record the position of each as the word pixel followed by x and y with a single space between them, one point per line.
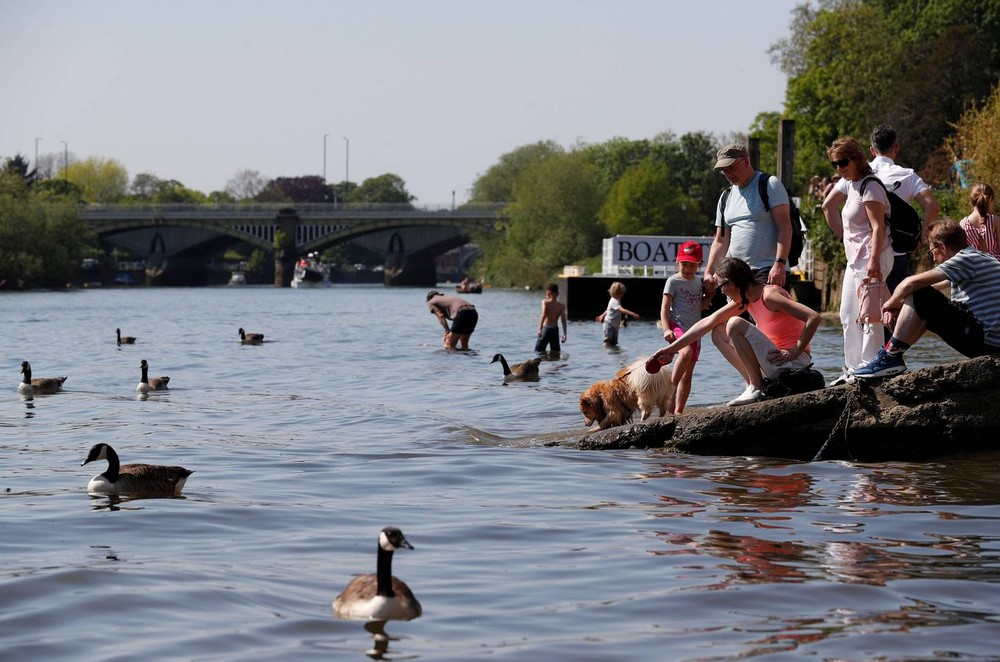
pixel 548 323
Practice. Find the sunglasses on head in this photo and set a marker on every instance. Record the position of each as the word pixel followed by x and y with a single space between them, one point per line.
pixel 840 163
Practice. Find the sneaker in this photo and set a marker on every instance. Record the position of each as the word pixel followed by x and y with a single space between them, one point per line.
pixel 750 394
pixel 846 378
pixel 883 365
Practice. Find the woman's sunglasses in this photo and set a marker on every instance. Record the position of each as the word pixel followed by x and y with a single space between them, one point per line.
pixel 841 163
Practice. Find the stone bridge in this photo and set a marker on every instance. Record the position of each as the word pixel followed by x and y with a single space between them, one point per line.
pixel 408 238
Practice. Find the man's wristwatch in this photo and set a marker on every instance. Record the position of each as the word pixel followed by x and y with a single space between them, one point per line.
pixel 781 260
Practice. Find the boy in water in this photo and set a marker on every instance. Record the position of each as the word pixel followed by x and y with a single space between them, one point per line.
pixel 612 317
pixel 684 297
pixel 548 323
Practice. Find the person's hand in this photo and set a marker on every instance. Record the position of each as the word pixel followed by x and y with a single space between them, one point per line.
pixel 874 271
pixel 564 337
pixel 709 283
pixel 664 356
pixel 779 356
pixel 777 275
pixel 669 335
pixel 539 333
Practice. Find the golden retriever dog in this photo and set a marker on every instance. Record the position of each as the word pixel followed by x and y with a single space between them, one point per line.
pixel 613 402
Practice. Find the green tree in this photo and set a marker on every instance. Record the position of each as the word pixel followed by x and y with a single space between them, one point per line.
pixel 42 241
pixel 915 64
pixel 553 221
pixel 100 180
pixel 976 137
pixel 387 188
pixel 497 183
pixel 144 185
pixel 18 166
pixel 645 200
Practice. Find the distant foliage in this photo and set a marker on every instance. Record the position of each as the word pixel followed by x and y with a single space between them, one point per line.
pixel 42 241
pixel 977 138
pixel 914 64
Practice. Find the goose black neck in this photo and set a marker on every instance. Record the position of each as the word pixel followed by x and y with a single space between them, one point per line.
pixel 383 573
pixel 145 373
pixel 114 464
pixel 27 374
pixel 503 362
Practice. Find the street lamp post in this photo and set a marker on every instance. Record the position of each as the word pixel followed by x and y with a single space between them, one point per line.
pixel 347 162
pixel 324 157
pixel 65 159
pixel 36 154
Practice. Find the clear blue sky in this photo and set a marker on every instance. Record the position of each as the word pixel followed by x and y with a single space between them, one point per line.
pixel 434 91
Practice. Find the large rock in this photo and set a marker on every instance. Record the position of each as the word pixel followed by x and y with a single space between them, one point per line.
pixel 941 410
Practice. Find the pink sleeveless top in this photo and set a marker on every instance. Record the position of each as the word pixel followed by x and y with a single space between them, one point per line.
pixel 781 328
pixel 983 238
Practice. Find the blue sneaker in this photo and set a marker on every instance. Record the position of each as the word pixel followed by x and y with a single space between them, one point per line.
pixel 883 365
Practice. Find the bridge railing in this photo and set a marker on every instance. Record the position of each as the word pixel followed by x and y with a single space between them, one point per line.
pixel 306 207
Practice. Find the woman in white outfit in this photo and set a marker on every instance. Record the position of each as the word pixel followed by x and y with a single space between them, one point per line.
pixel 861 222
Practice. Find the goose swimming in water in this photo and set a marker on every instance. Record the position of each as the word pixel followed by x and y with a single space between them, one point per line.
pixel 38 385
pixel 133 478
pixel 124 340
pixel 526 371
pixel 380 596
pixel 146 384
pixel 250 338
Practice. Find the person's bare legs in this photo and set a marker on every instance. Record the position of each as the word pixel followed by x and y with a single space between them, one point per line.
pixel 737 328
pixel 681 377
pixel 721 340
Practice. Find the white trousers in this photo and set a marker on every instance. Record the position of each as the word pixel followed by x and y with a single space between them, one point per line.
pixel 859 347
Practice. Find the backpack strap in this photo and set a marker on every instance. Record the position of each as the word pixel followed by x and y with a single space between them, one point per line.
pixel 864 183
pixel 762 188
pixel 722 206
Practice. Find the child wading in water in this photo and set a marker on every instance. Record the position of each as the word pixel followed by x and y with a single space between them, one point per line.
pixel 548 323
pixel 612 317
pixel 684 298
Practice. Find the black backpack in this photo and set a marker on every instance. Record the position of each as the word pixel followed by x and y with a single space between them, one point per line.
pixel 904 222
pixel 792 382
pixel 795 250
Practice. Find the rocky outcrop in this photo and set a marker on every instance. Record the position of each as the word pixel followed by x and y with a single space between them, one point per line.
pixel 940 410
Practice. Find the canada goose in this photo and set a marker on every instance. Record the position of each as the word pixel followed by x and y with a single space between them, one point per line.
pixel 250 338
pixel 38 385
pixel 380 596
pixel 155 384
pixel 124 340
pixel 527 370
pixel 133 478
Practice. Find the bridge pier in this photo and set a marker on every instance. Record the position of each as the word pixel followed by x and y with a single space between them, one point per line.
pixel 284 247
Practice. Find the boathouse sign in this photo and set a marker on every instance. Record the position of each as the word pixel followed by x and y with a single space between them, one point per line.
pixel 645 251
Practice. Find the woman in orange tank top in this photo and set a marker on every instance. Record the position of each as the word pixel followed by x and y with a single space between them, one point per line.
pixel 778 341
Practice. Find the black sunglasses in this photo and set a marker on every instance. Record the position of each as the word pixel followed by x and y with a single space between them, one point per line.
pixel 842 163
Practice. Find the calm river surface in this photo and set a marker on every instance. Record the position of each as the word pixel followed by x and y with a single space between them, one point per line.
pixel 351 417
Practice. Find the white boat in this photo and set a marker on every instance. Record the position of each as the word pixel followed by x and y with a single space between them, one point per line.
pixel 310 272
pixel 238 278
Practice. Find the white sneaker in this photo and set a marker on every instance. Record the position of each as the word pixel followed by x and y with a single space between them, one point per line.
pixel 846 378
pixel 750 394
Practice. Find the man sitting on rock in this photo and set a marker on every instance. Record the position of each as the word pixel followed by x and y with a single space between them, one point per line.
pixel 969 322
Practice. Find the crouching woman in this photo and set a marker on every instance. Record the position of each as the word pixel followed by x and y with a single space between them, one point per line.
pixel 778 341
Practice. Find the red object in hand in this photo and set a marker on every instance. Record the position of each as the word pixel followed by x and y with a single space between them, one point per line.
pixel 653 365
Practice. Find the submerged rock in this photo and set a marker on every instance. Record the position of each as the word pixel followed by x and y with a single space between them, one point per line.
pixel 940 410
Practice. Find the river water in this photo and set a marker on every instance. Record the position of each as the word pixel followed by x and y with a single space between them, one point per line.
pixel 351 417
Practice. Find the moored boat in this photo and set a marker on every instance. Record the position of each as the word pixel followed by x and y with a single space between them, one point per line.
pixel 310 272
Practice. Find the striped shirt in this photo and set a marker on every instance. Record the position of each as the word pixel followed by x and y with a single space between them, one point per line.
pixel 984 237
pixel 975 282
